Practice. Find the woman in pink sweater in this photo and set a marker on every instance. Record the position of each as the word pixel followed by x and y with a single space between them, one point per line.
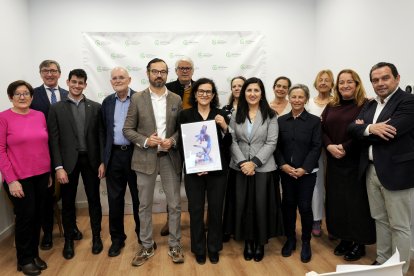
pixel 25 167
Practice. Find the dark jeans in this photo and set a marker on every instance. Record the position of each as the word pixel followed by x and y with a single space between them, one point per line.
pixel 297 193
pixel 196 187
pixel 118 175
pixel 91 183
pixel 28 212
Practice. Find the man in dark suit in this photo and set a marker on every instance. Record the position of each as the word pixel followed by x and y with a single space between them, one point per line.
pixel 45 95
pixel 151 125
pixel 117 159
pixel 386 127
pixel 76 140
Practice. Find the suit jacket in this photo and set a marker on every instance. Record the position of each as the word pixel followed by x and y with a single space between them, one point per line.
pixel 108 111
pixel 140 124
pixel 260 145
pixel 63 135
pixel 177 87
pixel 393 159
pixel 41 101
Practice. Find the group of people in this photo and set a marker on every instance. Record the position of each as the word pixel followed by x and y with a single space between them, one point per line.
pixel 338 151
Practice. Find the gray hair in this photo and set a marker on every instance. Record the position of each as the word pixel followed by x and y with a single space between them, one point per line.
pixel 300 86
pixel 186 59
pixel 47 63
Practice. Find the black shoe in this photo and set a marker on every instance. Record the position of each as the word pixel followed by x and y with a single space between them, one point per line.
pixel 165 230
pixel 226 237
pixel 200 259
pixel 288 247
pixel 375 263
pixel 46 243
pixel 39 263
pixel 29 269
pixel 342 248
pixel 248 250
pixel 214 257
pixel 97 245
pixel 306 253
pixel 77 234
pixel 356 252
pixel 259 253
pixel 68 249
pixel 115 248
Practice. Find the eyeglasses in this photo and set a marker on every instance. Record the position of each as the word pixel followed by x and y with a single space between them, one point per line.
pixel 184 69
pixel 155 72
pixel 201 92
pixel 49 71
pixel 24 94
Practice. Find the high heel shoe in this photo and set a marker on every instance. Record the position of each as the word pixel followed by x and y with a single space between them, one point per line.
pixel 248 250
pixel 259 253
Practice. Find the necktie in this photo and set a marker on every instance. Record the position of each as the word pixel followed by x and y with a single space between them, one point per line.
pixel 53 98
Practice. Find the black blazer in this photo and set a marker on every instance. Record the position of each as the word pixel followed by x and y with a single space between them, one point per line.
pixel 63 138
pixel 108 111
pixel 41 101
pixel 393 159
pixel 176 87
pixel 300 141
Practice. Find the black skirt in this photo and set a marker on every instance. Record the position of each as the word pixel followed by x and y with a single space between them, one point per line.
pixel 258 207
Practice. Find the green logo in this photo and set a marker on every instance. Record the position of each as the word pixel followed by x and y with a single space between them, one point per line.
pixel 146 55
pixel 133 68
pixel 218 42
pixel 246 41
pixel 161 42
pixel 144 81
pixel 131 42
pixel 216 67
pixel 188 42
pixel 232 55
pixel 174 55
pixel 101 43
pixel 102 69
pixel 204 55
pixel 117 56
pixel 246 66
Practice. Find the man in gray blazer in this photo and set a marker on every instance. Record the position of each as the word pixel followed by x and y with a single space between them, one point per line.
pixel 76 141
pixel 151 126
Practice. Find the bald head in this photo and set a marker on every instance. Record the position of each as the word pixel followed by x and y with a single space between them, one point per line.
pixel 120 81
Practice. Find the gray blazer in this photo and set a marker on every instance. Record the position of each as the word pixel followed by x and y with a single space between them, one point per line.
pixel 261 143
pixel 140 124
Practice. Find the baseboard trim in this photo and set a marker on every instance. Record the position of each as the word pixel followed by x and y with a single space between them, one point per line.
pixel 7 232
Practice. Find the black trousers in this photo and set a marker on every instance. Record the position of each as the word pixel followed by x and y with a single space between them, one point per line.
pixel 297 193
pixel 118 175
pixel 196 187
pixel 48 209
pixel 91 183
pixel 28 212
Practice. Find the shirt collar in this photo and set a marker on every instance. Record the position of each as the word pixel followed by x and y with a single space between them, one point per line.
pixel 128 95
pixel 154 95
pixel 69 98
pixel 378 99
pixel 48 88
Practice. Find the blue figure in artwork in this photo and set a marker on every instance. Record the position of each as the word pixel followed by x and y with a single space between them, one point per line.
pixel 204 154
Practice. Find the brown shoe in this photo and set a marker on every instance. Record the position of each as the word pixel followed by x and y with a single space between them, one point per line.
pixel 143 255
pixel 165 229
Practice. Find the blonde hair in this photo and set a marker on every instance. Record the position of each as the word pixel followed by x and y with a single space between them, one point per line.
pixel 325 71
pixel 360 95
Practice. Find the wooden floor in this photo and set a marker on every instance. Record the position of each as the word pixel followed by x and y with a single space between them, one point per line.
pixel 231 258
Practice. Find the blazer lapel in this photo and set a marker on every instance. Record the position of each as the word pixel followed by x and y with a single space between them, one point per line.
pixel 44 98
pixel 148 103
pixel 389 107
pixel 88 114
pixel 68 111
pixel 256 124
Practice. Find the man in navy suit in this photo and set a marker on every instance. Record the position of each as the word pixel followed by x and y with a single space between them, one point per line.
pixel 386 127
pixel 46 94
pixel 117 158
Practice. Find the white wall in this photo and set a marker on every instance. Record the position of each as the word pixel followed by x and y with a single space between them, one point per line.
pixel 14 31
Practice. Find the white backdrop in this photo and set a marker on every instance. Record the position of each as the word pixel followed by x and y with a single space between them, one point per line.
pixel 216 55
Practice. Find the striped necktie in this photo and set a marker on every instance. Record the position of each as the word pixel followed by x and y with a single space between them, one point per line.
pixel 53 98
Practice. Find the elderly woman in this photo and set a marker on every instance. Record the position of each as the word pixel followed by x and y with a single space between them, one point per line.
pixel 25 166
pixel 297 156
pixel 230 201
pixel 347 209
pixel 281 104
pixel 324 83
pixel 204 100
pixel 255 131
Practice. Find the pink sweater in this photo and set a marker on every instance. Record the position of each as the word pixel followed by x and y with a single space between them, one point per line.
pixel 24 149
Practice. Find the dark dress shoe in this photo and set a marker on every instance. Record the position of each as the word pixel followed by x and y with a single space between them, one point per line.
pixel 200 259
pixel 39 263
pixel 97 245
pixel 259 253
pixel 306 253
pixel 29 269
pixel 248 250
pixel 288 247
pixel 68 249
pixel 214 257
pixel 356 252
pixel 46 242
pixel 342 248
pixel 226 237
pixel 77 234
pixel 165 230
pixel 115 248
pixel 375 263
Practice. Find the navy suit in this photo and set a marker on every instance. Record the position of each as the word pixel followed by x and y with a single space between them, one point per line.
pixel 41 103
pixel 118 173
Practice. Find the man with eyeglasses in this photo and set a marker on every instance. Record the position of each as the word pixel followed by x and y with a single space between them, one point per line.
pixel 43 97
pixel 151 125
pixel 117 158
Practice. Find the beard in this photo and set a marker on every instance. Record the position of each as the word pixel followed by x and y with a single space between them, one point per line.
pixel 158 82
